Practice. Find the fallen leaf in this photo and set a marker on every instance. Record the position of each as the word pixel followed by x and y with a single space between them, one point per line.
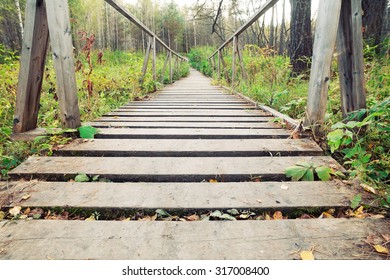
pixel 192 218
pixel 373 239
pixel 278 215
pixel 36 216
pixel 326 215
pixel 213 181
pixel 368 188
pixel 162 213
pixel 27 211
pixel 2 215
pixel 233 212
pixel 15 211
pixel 216 214
pixel 377 216
pixel 23 217
pixel 359 213
pixel 26 196
pixel 284 187
pixel 126 220
pixel 91 218
pixel 386 237
pixel 381 249
pixel 307 255
pixel 267 217
pixel 227 217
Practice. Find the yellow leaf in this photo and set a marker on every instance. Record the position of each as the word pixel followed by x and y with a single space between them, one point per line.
pixel 15 211
pixel 381 249
pixel 267 217
pixel 2 215
pixel 368 188
pixel 26 196
pixel 326 215
pixel 278 215
pixel 213 181
pixel 359 213
pixel 91 218
pixel 307 255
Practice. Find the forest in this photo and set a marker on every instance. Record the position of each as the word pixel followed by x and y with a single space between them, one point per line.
pixel 276 52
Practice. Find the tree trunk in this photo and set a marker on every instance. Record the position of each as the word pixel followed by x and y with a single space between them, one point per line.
pixel 282 29
pixel 373 16
pixel 301 44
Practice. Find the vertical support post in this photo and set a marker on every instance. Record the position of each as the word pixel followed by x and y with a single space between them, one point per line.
pixel 324 43
pixel 146 61
pixel 219 65
pixel 350 57
pixel 241 60
pixel 32 65
pixel 170 68
pixel 164 68
pixel 234 70
pixel 62 47
pixel 154 59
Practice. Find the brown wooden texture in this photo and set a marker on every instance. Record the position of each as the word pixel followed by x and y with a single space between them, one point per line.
pixel 62 48
pixel 32 64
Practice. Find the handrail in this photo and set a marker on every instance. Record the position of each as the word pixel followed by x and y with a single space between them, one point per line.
pixel 244 27
pixel 138 23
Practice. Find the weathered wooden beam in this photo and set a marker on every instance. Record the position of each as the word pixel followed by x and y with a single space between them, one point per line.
pixel 170 68
pixel 154 71
pixel 32 65
pixel 219 64
pixel 62 48
pixel 324 43
pixel 164 68
pixel 234 61
pixel 350 57
pixel 146 60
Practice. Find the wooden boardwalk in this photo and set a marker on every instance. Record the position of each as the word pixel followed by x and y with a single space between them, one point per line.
pixel 163 154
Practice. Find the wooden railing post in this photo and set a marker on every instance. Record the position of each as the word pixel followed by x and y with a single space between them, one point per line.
pixel 32 65
pixel 234 61
pixel 146 60
pixel 154 61
pixel 170 68
pixel 350 57
pixel 219 65
pixel 324 43
pixel 62 47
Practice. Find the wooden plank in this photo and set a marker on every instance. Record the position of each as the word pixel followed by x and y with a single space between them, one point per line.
pixel 214 125
pixel 199 119
pixel 192 147
pixel 181 196
pixel 191 133
pixel 183 109
pixel 164 169
pixel 280 239
pixel 189 106
pixel 193 113
pixel 324 43
pixel 32 63
pixel 62 48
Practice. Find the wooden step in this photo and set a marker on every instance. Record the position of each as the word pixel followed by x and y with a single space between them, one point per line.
pixel 182 197
pixel 191 147
pixel 280 239
pixel 214 125
pixel 189 113
pixel 198 119
pixel 164 169
pixel 191 133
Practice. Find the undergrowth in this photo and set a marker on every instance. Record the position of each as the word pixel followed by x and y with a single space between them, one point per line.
pixel 361 142
pixel 105 81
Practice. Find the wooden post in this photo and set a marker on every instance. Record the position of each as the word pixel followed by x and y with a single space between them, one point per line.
pixel 324 43
pixel 219 65
pixel 32 64
pixel 224 68
pixel 241 60
pixel 62 47
pixel 234 70
pixel 350 57
pixel 164 68
pixel 146 60
pixel 154 59
pixel 170 68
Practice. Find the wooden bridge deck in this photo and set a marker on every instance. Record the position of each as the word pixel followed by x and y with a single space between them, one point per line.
pixel 162 154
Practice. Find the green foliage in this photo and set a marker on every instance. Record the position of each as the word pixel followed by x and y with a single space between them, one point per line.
pixel 304 171
pixel 80 178
pixel 355 201
pixel 87 132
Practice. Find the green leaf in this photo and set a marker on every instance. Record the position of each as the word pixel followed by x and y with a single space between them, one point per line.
pixel 87 132
pixel 162 213
pixel 227 217
pixel 309 175
pixel 356 200
pixel 351 124
pixel 323 172
pixel 95 178
pixel 335 138
pixel 233 212
pixel 305 164
pixel 295 172
pixel 81 178
pixel 216 214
